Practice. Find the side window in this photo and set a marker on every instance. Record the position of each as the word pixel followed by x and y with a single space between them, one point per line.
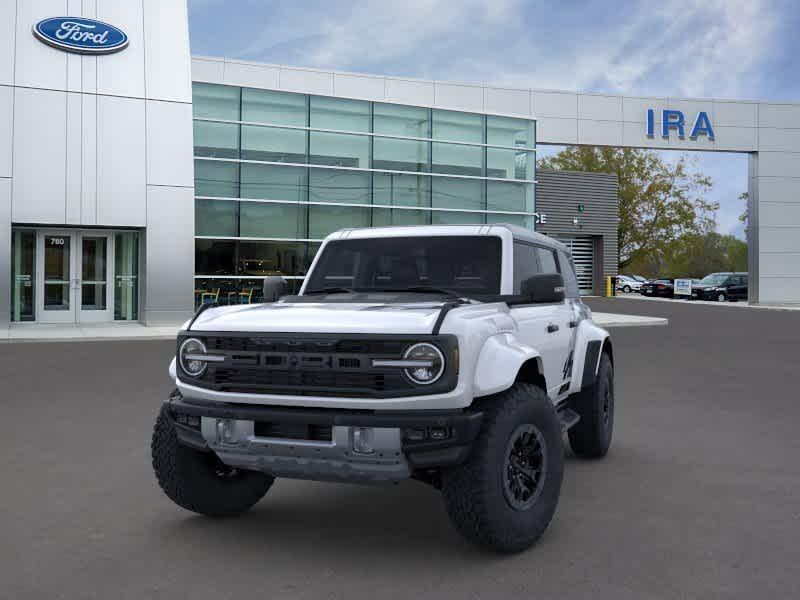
pixel 525 264
pixel 547 260
pixel 568 271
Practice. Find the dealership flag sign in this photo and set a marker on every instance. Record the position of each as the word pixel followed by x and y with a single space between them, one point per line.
pixel 84 36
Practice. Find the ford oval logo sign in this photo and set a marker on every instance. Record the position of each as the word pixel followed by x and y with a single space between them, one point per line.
pixel 84 36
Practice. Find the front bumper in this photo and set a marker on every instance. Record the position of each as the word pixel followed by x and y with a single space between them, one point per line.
pixel 236 433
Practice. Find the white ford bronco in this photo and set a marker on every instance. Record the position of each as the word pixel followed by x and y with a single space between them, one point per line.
pixel 455 355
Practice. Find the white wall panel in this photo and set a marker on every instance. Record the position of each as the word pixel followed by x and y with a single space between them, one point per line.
pixel 635 134
pixel 599 108
pixel 122 73
pixel 6 129
pixel 8 19
pixel 600 133
pixel 121 165
pixel 250 75
pixel 735 114
pixel 634 109
pixel 778 115
pixel 779 189
pixel 306 81
pixel 778 164
pixel 780 140
pixel 779 239
pixel 74 163
pixel 37 64
pixel 209 70
pixel 690 108
pixel 170 254
pixel 466 97
pixel 409 91
pixel 779 214
pixel 779 290
pixel 735 139
pixel 169 144
pixel 358 86
pixel 556 131
pixel 782 264
pixel 510 102
pixel 39 156
pixel 89 160
pixel 555 104
pixel 167 61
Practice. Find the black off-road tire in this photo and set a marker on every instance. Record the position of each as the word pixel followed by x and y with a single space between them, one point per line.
pixel 591 436
pixel 198 481
pixel 475 493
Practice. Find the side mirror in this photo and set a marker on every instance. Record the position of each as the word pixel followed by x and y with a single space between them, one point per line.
pixel 543 287
pixel 274 288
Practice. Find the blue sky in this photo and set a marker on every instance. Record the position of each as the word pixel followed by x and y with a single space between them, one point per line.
pixel 709 48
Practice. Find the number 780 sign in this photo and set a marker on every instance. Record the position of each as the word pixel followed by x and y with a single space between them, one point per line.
pixel 674 120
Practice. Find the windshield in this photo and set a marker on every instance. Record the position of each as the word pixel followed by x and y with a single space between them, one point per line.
pixel 467 265
pixel 713 279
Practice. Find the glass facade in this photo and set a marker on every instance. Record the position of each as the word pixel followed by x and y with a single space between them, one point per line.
pixel 275 172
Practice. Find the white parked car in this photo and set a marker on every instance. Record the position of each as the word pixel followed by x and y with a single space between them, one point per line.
pixel 628 284
pixel 454 355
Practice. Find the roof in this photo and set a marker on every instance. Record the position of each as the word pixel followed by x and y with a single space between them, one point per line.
pixel 517 232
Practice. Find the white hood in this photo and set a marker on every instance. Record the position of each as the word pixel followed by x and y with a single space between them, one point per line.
pixel 319 317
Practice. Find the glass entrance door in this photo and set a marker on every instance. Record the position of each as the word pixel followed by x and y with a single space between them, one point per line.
pixel 73 281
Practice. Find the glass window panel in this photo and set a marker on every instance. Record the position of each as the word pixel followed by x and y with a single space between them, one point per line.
pixel 218 140
pixel 327 219
pixel 265 106
pixel 214 257
pixel 126 276
pixel 272 258
pixel 399 155
pixel 338 113
pixel 457 126
pixel 273 182
pixel 260 219
pixel 57 272
pixel 339 150
pixel 409 121
pixel 443 217
pixel 216 217
pixel 93 273
pixel 525 264
pixel 509 164
pixel 506 131
pixel 211 101
pixel 458 160
pixel 335 185
pixel 547 260
pixel 212 178
pixel 503 195
pixel 382 217
pixel 457 193
pixel 400 190
pixel 23 265
pixel 521 220
pixel 273 144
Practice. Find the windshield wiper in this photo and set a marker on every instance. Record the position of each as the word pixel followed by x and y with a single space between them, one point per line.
pixel 329 290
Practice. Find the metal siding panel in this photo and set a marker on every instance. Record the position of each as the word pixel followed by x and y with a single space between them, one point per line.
pixel 5 250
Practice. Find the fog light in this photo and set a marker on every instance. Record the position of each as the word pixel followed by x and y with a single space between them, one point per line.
pixel 439 433
pixel 226 431
pixel 362 440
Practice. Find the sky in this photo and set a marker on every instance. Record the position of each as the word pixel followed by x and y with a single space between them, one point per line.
pixel 709 48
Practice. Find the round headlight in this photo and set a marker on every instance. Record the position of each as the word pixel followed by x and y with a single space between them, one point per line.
pixel 431 364
pixel 192 366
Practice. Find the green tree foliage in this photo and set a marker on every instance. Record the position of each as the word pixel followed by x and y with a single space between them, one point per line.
pixel 659 202
pixel 694 255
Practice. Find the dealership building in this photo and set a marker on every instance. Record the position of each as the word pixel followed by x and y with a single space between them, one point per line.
pixel 137 182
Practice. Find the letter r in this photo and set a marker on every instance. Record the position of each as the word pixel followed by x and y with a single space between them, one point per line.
pixel 672 119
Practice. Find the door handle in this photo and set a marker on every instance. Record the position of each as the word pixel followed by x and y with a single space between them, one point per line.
pixel 552 328
pixel 573 324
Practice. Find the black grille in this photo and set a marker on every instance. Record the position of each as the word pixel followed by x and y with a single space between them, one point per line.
pixel 324 365
pixel 294 431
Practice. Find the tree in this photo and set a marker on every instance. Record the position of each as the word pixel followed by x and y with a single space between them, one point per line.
pixel 659 202
pixel 693 255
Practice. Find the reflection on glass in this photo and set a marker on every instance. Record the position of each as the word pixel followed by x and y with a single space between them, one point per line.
pixel 339 150
pixel 266 106
pixel 511 196
pixel 334 185
pixel 126 275
pixel 457 193
pixel 382 217
pixel 216 217
pixel 505 131
pixel 323 220
pixel 509 164
pixel 400 190
pixel 212 178
pixel 215 101
pixel 56 272
pixel 338 113
pixel 273 144
pixel 217 140
pixel 521 220
pixel 263 219
pixel 400 155
pixel 93 273
pixel 443 217
pixel 457 160
pixel 23 264
pixel 273 182
pixel 407 121
pixel 457 126
pixel 273 258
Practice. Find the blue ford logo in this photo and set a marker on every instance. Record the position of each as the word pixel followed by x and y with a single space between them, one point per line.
pixel 84 36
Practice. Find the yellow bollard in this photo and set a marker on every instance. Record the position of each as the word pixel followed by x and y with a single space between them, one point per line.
pixel 609 289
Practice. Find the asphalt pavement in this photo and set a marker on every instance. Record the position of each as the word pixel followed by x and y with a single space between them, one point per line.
pixel 698 498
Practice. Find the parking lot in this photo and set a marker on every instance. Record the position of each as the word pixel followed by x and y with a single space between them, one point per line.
pixel 698 498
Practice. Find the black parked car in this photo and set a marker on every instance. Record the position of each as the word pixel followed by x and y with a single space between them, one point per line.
pixel 663 288
pixel 721 287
